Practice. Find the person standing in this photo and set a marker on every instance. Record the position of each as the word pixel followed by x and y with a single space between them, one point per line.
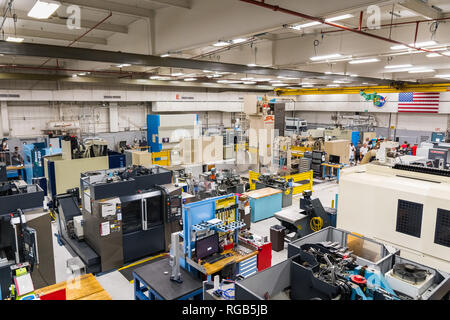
pixel 363 151
pixel 352 153
pixel 358 153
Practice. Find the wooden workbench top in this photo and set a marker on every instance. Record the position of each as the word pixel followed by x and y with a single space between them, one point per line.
pixel 219 265
pixel 88 288
pixel 261 193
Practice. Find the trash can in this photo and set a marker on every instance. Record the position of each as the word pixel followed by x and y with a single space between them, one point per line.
pixel 277 237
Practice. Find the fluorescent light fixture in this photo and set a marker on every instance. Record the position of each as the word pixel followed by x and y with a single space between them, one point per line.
pixel 221 43
pixel 74 76
pixel 316 23
pixel 417 45
pixel 207 71
pixel 398 66
pixel 364 61
pixel 43 9
pixel 155 77
pixel 249 82
pixel 421 71
pixel 274 81
pixel 190 79
pixel 307 85
pixel 280 84
pixel 240 40
pixel 434 55
pixel 399 47
pixel 123 65
pixel 305 25
pixel 342 17
pixel 247 79
pixel 326 57
pixel 15 39
pixel 177 74
pixel 332 85
pixel 263 79
pixel 251 65
pixel 424 44
pixel 341 81
pixel 442 76
pixel 353 75
pixel 328 72
pixel 165 55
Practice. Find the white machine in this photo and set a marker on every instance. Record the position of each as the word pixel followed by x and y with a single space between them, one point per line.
pixel 402 207
pixel 409 279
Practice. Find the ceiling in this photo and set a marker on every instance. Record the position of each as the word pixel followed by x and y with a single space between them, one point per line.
pixel 190 28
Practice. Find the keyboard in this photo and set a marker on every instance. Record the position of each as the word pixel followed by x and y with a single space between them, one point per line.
pixel 215 258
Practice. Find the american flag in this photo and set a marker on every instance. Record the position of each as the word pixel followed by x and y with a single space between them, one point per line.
pixel 418 102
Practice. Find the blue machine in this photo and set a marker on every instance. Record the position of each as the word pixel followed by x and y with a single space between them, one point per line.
pixel 116 160
pixel 372 282
pixel 153 125
pixel 356 136
pixel 195 220
pixel 438 137
pixel 34 159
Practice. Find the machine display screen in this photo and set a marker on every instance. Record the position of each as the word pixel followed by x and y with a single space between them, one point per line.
pixel 207 246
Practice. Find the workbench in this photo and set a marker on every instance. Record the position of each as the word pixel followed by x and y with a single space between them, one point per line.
pixel 85 287
pixel 210 269
pixel 330 167
pixel 152 282
pixel 264 203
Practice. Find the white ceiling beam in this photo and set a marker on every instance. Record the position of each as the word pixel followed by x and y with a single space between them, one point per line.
pixel 174 3
pixel 111 6
pixel 420 8
pixel 22 15
pixel 56 36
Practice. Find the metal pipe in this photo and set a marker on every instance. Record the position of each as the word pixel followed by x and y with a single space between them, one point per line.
pixel 77 39
pixel 8 8
pixel 323 21
pixel 393 24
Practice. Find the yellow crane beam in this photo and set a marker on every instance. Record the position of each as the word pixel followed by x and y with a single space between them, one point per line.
pixel 435 87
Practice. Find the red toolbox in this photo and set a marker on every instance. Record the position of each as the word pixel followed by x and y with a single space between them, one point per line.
pixel 264 258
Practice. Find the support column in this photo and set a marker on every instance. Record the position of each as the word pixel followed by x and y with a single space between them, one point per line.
pixel 113 117
pixel 4 118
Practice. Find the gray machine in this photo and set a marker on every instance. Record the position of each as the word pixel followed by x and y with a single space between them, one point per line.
pixel 103 231
pixel 311 217
pixel 25 235
pixel 127 214
pixel 334 264
pixel 269 181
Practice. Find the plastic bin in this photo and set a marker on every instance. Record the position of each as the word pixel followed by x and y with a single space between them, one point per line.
pixel 277 237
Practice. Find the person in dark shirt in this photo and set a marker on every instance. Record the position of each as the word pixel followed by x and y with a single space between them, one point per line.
pixel 16 157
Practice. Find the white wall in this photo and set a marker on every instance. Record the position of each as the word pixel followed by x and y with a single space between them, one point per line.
pixel 29 114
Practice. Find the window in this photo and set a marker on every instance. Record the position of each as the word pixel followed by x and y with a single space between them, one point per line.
pixel 409 218
pixel 442 233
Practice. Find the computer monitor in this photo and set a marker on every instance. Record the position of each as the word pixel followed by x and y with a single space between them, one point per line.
pixel 207 246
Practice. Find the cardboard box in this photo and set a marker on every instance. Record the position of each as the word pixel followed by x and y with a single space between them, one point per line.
pixel 340 148
pixel 143 158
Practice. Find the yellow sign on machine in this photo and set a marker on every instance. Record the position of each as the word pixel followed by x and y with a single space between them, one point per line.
pixel 225 209
pixel 305 176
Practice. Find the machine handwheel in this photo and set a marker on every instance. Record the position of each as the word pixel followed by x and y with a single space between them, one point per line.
pixel 316 224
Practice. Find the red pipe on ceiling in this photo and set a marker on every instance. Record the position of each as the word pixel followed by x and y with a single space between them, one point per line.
pixel 308 17
pixel 77 39
pixel 393 24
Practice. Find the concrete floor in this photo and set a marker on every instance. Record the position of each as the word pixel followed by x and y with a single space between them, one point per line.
pixel 120 289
